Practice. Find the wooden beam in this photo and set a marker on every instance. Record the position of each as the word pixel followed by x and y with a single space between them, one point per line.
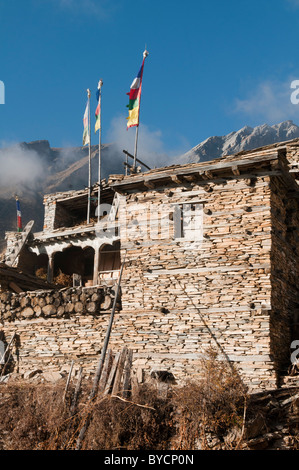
pixel 176 179
pixel 290 181
pixel 275 165
pixel 137 160
pixel 206 175
pixel 235 170
pixel 15 287
pixel 190 177
pixel 148 184
pixel 218 167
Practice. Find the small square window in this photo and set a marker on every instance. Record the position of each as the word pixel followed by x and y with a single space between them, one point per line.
pixel 188 221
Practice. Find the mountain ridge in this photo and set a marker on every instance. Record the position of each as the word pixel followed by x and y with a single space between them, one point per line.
pixel 44 170
pixel 246 138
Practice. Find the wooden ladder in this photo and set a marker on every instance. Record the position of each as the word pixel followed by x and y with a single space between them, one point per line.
pixel 114 208
pixel 11 259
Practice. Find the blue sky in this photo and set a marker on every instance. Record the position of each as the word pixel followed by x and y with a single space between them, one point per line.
pixel 214 67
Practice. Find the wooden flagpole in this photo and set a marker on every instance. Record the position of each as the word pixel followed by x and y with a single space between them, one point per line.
pixel 145 54
pixel 89 162
pixel 135 151
pixel 100 138
pixel 19 216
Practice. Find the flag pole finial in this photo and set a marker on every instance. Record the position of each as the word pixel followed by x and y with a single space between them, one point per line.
pixel 100 84
pixel 145 53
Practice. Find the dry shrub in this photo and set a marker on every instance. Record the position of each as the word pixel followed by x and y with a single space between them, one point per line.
pixel 63 279
pixel 213 405
pixel 140 423
pixel 36 417
pixel 41 273
pixel 29 415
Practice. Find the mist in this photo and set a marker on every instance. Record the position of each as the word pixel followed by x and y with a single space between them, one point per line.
pixel 20 167
pixel 151 148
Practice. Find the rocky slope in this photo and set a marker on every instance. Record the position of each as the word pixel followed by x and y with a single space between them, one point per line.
pixel 33 169
pixel 246 138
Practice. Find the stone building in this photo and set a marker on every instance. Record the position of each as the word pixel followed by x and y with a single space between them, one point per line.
pixel 210 253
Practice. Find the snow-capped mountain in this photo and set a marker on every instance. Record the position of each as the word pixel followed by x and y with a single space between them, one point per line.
pixel 43 169
pixel 246 138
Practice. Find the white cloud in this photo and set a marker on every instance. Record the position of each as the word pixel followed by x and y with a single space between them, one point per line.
pixel 271 100
pixel 151 148
pixel 294 3
pixel 100 8
pixel 20 166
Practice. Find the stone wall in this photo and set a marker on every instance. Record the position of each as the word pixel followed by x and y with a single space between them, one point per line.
pixel 179 296
pixel 284 274
pixel 217 291
pixel 56 217
pixel 12 239
pixel 55 327
pixel 160 341
pixel 50 212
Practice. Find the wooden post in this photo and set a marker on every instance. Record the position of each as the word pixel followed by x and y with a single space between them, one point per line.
pixel 119 372
pixel 77 390
pixel 145 54
pixel 127 373
pixel 96 266
pixel 102 358
pixel 50 274
pixel 5 352
pixel 112 373
pixel 101 361
pixel 68 381
pixel 104 375
pixel 135 152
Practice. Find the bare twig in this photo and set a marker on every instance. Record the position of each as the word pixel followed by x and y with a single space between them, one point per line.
pixel 77 390
pixel 133 403
pixel 243 425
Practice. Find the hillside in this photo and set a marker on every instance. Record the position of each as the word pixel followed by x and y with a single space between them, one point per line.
pixel 33 169
pixel 43 170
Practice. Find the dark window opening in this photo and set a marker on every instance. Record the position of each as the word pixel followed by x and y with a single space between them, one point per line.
pixel 74 260
pixel 31 263
pixel 73 212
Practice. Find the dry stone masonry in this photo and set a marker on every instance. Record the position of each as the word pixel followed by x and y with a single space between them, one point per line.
pixel 211 260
